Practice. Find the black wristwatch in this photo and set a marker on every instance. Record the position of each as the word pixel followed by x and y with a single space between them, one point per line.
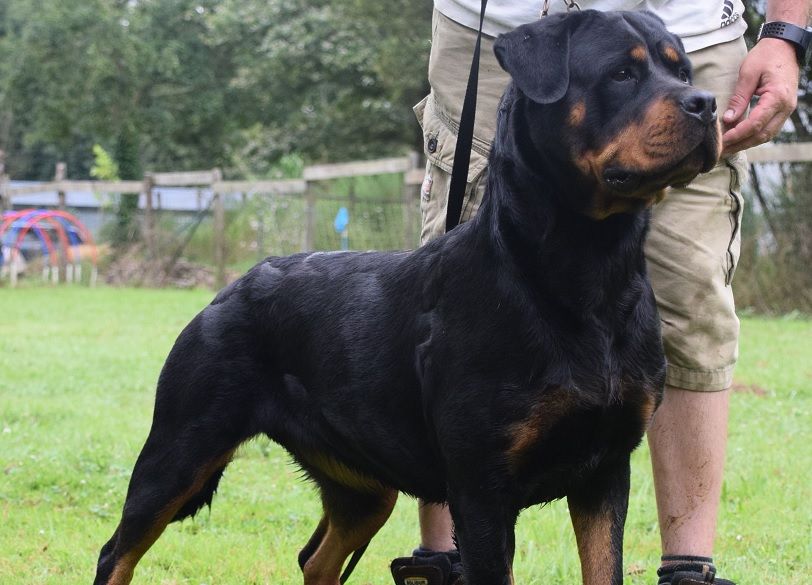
pixel 797 36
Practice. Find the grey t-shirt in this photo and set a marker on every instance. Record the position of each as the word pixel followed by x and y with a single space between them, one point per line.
pixel 699 23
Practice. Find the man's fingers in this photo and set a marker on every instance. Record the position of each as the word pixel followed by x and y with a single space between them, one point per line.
pixel 756 123
pixel 762 126
pixel 745 87
pixel 771 72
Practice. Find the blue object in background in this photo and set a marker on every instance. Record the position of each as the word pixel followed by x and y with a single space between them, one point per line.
pixel 340 223
pixel 342 220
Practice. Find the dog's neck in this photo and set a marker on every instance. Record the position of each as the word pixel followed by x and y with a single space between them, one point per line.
pixel 554 246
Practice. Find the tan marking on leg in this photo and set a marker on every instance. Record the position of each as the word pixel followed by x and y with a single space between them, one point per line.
pixel 593 533
pixel 341 540
pixel 124 568
pixel 647 408
pixel 123 572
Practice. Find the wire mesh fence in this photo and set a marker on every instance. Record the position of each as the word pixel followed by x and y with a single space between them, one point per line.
pixel 195 221
pixel 226 226
pixel 260 225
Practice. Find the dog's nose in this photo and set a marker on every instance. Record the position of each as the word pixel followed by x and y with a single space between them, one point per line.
pixel 700 105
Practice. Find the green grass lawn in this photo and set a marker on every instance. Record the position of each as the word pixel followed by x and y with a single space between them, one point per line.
pixel 77 375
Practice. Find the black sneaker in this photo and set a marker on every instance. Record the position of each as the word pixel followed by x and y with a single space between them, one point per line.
pixel 690 572
pixel 428 567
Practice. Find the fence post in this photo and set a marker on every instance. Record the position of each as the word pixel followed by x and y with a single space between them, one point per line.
pixel 5 204
pixel 310 218
pixel 219 231
pixel 146 189
pixel 5 200
pixel 60 174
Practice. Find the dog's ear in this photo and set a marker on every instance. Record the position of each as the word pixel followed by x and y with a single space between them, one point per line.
pixel 537 57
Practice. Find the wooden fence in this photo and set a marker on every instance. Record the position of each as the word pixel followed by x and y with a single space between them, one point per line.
pixel 212 181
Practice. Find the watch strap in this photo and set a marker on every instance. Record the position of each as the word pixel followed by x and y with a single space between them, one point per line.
pixel 798 36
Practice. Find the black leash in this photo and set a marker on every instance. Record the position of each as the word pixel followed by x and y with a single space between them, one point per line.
pixel 356 556
pixel 465 137
pixel 456 194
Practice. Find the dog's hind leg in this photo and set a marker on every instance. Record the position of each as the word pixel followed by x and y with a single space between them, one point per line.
pixel 165 486
pixel 351 518
pixel 202 414
pixel 169 482
pixel 313 543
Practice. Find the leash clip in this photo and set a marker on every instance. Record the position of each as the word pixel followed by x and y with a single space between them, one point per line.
pixel 570 4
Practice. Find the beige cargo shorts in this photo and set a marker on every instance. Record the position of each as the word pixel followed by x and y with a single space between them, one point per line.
pixel 693 245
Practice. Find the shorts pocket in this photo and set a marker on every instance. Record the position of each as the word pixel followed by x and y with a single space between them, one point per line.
pixel 440 140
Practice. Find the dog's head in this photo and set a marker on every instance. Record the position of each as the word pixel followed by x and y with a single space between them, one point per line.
pixel 608 98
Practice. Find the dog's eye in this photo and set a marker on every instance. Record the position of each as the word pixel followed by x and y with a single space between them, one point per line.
pixel 684 77
pixel 624 74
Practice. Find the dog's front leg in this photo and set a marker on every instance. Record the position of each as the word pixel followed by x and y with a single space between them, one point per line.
pixel 598 512
pixel 484 526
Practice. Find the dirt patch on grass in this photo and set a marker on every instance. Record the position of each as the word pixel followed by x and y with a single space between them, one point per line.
pixel 133 267
pixel 750 389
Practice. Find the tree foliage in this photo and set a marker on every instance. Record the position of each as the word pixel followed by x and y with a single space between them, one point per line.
pixel 203 83
pixel 773 275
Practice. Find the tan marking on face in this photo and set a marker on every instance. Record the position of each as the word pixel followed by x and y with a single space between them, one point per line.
pixel 593 533
pixel 671 54
pixel 653 143
pixel 544 414
pixel 639 53
pixel 648 144
pixel 719 144
pixel 577 114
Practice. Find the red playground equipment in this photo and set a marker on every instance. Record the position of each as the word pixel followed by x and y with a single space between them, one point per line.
pixel 59 234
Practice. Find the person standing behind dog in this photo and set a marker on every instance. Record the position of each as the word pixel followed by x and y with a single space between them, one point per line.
pixel 691 251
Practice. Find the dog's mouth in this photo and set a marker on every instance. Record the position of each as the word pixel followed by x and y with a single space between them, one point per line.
pixel 634 183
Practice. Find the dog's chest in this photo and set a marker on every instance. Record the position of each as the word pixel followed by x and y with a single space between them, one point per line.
pixel 570 432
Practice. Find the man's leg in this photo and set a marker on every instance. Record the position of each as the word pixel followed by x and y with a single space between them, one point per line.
pixel 676 443
pixel 687 440
pixel 436 527
pixel 692 251
pixel 436 561
pixel 451 45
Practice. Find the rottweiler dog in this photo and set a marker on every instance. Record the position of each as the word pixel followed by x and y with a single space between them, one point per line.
pixel 514 361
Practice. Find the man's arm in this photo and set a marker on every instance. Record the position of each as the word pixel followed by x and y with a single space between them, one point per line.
pixel 771 72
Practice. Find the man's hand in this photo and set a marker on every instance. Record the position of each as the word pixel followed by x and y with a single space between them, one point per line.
pixel 770 71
